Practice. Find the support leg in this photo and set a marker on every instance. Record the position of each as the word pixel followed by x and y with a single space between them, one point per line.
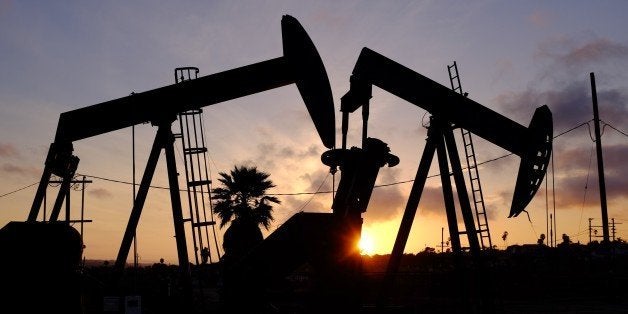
pixel 408 215
pixel 177 215
pixel 463 196
pixel 142 192
pixel 476 285
pixel 40 195
pixel 448 195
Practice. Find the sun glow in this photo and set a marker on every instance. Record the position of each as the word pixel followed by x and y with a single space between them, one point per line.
pixel 366 244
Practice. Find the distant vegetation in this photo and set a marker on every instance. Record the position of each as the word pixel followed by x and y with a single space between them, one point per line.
pixel 521 279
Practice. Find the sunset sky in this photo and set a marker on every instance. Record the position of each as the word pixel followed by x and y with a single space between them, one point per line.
pixel 513 57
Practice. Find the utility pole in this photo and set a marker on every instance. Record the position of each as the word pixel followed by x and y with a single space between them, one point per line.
pixel 67 203
pixel 442 239
pixel 590 229
pixel 551 232
pixel 600 160
pixel 593 230
pixel 613 230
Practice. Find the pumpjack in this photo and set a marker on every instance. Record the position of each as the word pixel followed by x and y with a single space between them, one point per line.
pixel 326 241
pixel 449 110
pixel 300 65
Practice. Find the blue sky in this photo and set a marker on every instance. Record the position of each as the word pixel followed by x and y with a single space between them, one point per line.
pixel 513 56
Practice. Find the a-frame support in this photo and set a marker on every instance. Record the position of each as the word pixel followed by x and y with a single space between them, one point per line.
pixel 163 139
pixel 440 140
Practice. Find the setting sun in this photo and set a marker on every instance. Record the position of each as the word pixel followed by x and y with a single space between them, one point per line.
pixel 366 244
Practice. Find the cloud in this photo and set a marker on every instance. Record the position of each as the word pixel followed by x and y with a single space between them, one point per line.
pixel 503 69
pixel 570 104
pixel 563 58
pixel 10 168
pixel 577 176
pixel 100 193
pixel 563 84
pixel 268 153
pixel 8 150
pixel 539 18
pixel 388 201
pixel 432 201
pixel 596 50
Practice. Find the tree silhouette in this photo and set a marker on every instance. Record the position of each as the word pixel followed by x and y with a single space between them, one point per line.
pixel 541 239
pixel 242 202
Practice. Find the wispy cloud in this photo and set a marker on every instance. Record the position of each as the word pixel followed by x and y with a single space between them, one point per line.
pixel 386 202
pixel 578 169
pixel 540 18
pixel 8 150
pixel 597 50
pixel 564 57
pixel 570 104
pixel 100 193
pixel 11 168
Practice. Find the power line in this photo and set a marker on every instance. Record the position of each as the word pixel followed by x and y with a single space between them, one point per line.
pixel 22 188
pixel 614 128
pixel 575 127
pixel 320 192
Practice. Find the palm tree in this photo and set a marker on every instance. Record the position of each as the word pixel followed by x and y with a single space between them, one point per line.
pixel 242 201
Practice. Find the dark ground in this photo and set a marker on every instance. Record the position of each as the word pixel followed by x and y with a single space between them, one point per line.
pixel 523 279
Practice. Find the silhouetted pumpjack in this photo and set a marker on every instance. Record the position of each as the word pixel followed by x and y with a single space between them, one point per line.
pixel 449 109
pixel 326 241
pixel 301 64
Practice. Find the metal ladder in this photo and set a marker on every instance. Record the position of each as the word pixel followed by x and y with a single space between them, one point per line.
pixel 198 183
pixel 472 168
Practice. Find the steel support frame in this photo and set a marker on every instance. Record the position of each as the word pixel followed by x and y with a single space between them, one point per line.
pixel 440 141
pixel 163 139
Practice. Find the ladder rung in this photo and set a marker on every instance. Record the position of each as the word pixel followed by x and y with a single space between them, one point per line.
pixel 203 224
pixel 191 112
pixel 195 150
pixel 177 135
pixel 187 219
pixel 199 182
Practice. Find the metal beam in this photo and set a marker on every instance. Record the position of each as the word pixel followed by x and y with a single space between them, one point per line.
pixel 373 68
pixel 138 204
pixel 461 189
pixel 301 64
pixel 177 214
pixel 448 195
pixel 409 213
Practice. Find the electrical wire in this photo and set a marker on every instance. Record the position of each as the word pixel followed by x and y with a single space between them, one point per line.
pixel 319 188
pixel 586 185
pixel 614 128
pixel 289 214
pixel 319 192
pixel 20 189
